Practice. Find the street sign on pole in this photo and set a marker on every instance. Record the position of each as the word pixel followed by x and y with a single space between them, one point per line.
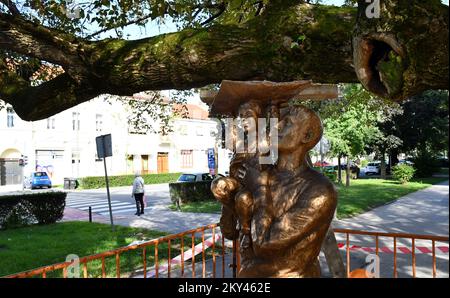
pixel 104 146
pixel 211 161
pixel 104 149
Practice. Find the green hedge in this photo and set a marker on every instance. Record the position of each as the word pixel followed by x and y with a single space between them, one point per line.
pixel 126 180
pixel 28 208
pixel 184 192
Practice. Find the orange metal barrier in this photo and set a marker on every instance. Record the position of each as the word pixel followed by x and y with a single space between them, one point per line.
pixel 216 237
pixel 116 253
pixel 395 237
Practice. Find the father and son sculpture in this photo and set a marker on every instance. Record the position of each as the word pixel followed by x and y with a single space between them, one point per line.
pixel 280 213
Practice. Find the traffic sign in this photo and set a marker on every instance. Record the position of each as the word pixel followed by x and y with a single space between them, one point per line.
pixel 211 161
pixel 104 146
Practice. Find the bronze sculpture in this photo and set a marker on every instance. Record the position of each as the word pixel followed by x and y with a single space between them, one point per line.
pixel 280 213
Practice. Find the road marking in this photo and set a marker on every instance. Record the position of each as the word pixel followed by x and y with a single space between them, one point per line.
pixel 92 204
pixel 115 207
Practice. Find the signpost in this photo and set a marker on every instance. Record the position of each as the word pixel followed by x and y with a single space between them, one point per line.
pixel 212 161
pixel 104 149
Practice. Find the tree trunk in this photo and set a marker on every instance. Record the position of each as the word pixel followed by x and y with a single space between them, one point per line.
pixel 394 157
pixel 383 165
pixel 348 172
pixel 339 170
pixel 402 53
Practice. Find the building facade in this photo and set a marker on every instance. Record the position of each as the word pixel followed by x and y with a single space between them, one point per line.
pixel 64 145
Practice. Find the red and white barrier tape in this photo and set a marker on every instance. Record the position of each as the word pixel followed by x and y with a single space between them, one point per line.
pixel 400 249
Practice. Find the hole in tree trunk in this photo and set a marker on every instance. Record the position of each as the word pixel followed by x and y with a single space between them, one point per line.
pixel 378 64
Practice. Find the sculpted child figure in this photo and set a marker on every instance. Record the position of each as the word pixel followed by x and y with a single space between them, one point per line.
pixel 228 190
pixel 283 211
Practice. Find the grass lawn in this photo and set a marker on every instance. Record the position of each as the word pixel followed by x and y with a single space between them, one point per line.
pixel 35 246
pixel 199 207
pixel 361 196
pixel 366 194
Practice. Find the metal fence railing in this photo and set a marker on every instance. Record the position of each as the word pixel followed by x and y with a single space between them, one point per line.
pixel 191 246
pixel 203 252
pixel 394 239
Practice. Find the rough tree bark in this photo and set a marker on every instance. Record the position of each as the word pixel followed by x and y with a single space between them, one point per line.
pixel 348 172
pixel 394 56
pixel 339 170
pixel 383 165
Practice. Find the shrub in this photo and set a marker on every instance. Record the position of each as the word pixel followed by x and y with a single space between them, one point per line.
pixel 126 180
pixel 426 165
pixel 332 175
pixel 329 173
pixel 184 192
pixel 403 173
pixel 26 208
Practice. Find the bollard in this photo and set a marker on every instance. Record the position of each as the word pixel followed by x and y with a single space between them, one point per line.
pixel 90 214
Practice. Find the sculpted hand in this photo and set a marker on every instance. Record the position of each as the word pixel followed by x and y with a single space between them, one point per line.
pixel 224 188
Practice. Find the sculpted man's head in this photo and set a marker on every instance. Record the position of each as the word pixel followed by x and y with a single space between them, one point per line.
pixel 299 128
pixel 250 109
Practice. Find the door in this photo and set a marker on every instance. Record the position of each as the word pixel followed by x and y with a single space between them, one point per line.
pixel 144 167
pixel 163 162
pixel 10 172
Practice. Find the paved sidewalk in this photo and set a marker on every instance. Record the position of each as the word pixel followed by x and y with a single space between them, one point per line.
pixel 155 218
pixel 421 212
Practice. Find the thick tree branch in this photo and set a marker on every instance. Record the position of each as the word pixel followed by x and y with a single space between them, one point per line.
pixel 34 40
pixel 54 96
pixel 288 41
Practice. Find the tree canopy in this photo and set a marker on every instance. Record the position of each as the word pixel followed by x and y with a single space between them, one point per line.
pixel 399 54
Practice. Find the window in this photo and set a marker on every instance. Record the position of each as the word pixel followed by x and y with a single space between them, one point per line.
pixel 199 131
pixel 186 159
pixel 183 130
pixel 51 123
pixel 187 178
pixel 76 121
pixel 10 117
pixel 98 123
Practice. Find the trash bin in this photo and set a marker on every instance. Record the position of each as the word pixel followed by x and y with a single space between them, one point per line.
pixel 70 183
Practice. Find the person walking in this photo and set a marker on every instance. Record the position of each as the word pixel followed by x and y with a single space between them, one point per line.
pixel 138 193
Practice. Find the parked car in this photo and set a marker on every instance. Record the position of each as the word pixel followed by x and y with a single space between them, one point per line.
pixel 354 169
pixel 373 168
pixel 319 164
pixel 37 180
pixel 193 177
pixel 406 162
